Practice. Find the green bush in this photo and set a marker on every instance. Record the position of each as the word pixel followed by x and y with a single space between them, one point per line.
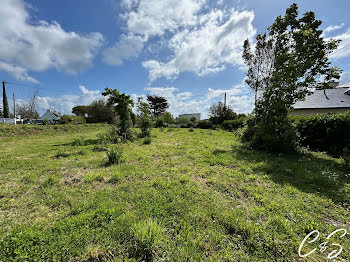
pixel 324 132
pixel 204 124
pixel 147 239
pixel 68 119
pixel 147 140
pixel 78 141
pixel 233 124
pixel 114 155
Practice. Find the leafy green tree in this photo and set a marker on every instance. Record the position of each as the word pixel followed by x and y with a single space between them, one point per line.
pixel 145 121
pixel 81 110
pixel 6 110
pixel 122 105
pixel 157 104
pixel 299 59
pixel 167 118
pixel 100 112
pixel 218 113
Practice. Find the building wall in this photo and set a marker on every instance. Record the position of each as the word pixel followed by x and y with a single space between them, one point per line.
pixel 189 116
pixel 306 112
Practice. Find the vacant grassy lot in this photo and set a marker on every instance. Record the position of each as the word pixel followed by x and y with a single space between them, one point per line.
pixel 188 196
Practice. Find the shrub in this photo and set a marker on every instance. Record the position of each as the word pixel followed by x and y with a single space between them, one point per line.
pixel 279 136
pixel 111 136
pixel 68 119
pixel 78 141
pixel 114 155
pixel 147 140
pixel 160 123
pixel 325 132
pixel 233 124
pixel 204 124
pixel 147 238
pixel 191 129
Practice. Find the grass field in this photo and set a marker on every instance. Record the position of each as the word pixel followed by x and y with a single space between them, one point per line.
pixel 188 196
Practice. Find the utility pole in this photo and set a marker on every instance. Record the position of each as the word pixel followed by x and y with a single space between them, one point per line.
pixel 14 106
pixel 225 102
pixel 6 110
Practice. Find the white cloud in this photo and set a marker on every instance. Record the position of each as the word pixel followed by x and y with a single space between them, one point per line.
pixel 128 46
pixel 216 43
pixel 239 98
pixel 17 71
pixel 332 28
pixel 344 48
pixel 39 45
pixel 148 18
pixel 65 103
pixel 345 77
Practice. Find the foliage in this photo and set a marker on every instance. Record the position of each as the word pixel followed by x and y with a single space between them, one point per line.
pixel 157 104
pixel 299 55
pixel 69 119
pixel 191 129
pixel 145 121
pixel 100 112
pixel 204 124
pixel 219 113
pixel 114 155
pixel 5 103
pixel 183 120
pixel 324 132
pixel 193 185
pixel 233 124
pixel 79 141
pixel 81 110
pixel 147 140
pixel 122 105
pixel 159 123
pixel 112 135
pixel 147 238
pixel 167 118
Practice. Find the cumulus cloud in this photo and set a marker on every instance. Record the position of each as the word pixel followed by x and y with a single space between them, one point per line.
pixel 148 18
pixel 199 40
pixel 239 98
pixel 207 49
pixel 65 103
pixel 39 45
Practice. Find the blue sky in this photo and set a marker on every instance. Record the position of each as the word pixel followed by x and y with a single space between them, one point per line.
pixel 186 50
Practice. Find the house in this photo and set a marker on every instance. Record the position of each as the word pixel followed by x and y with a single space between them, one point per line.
pixel 51 116
pixel 189 116
pixel 335 100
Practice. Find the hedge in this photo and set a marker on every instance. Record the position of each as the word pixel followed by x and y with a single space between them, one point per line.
pixel 233 124
pixel 324 132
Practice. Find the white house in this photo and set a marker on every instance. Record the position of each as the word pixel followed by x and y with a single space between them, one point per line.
pixel 52 116
pixel 189 116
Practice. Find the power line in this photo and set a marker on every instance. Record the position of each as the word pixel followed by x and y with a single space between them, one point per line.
pixel 35 87
pixel 336 51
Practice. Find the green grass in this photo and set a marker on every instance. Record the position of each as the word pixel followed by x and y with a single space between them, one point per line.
pixel 187 196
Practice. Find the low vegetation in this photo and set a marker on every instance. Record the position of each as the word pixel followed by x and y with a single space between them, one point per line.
pixel 187 196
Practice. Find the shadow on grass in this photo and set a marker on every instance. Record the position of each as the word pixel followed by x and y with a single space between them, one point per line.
pixel 307 172
pixel 86 142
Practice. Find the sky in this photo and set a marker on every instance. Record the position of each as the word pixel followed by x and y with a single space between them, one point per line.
pixel 189 51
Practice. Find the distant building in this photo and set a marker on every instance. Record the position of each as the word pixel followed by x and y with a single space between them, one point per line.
pixel 335 100
pixel 189 116
pixel 52 116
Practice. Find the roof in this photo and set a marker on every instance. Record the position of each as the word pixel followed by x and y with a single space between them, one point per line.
pixel 329 98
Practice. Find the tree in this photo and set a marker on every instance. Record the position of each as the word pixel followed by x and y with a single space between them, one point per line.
pixel 168 118
pixel 122 105
pixel 260 64
pixel 100 112
pixel 299 63
pixel 219 113
pixel 157 104
pixel 29 108
pixel 81 110
pixel 145 121
pixel 6 110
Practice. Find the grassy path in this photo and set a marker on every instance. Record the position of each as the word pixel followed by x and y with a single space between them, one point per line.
pixel 188 196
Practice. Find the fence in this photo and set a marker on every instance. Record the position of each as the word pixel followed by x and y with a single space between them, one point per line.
pixel 7 121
